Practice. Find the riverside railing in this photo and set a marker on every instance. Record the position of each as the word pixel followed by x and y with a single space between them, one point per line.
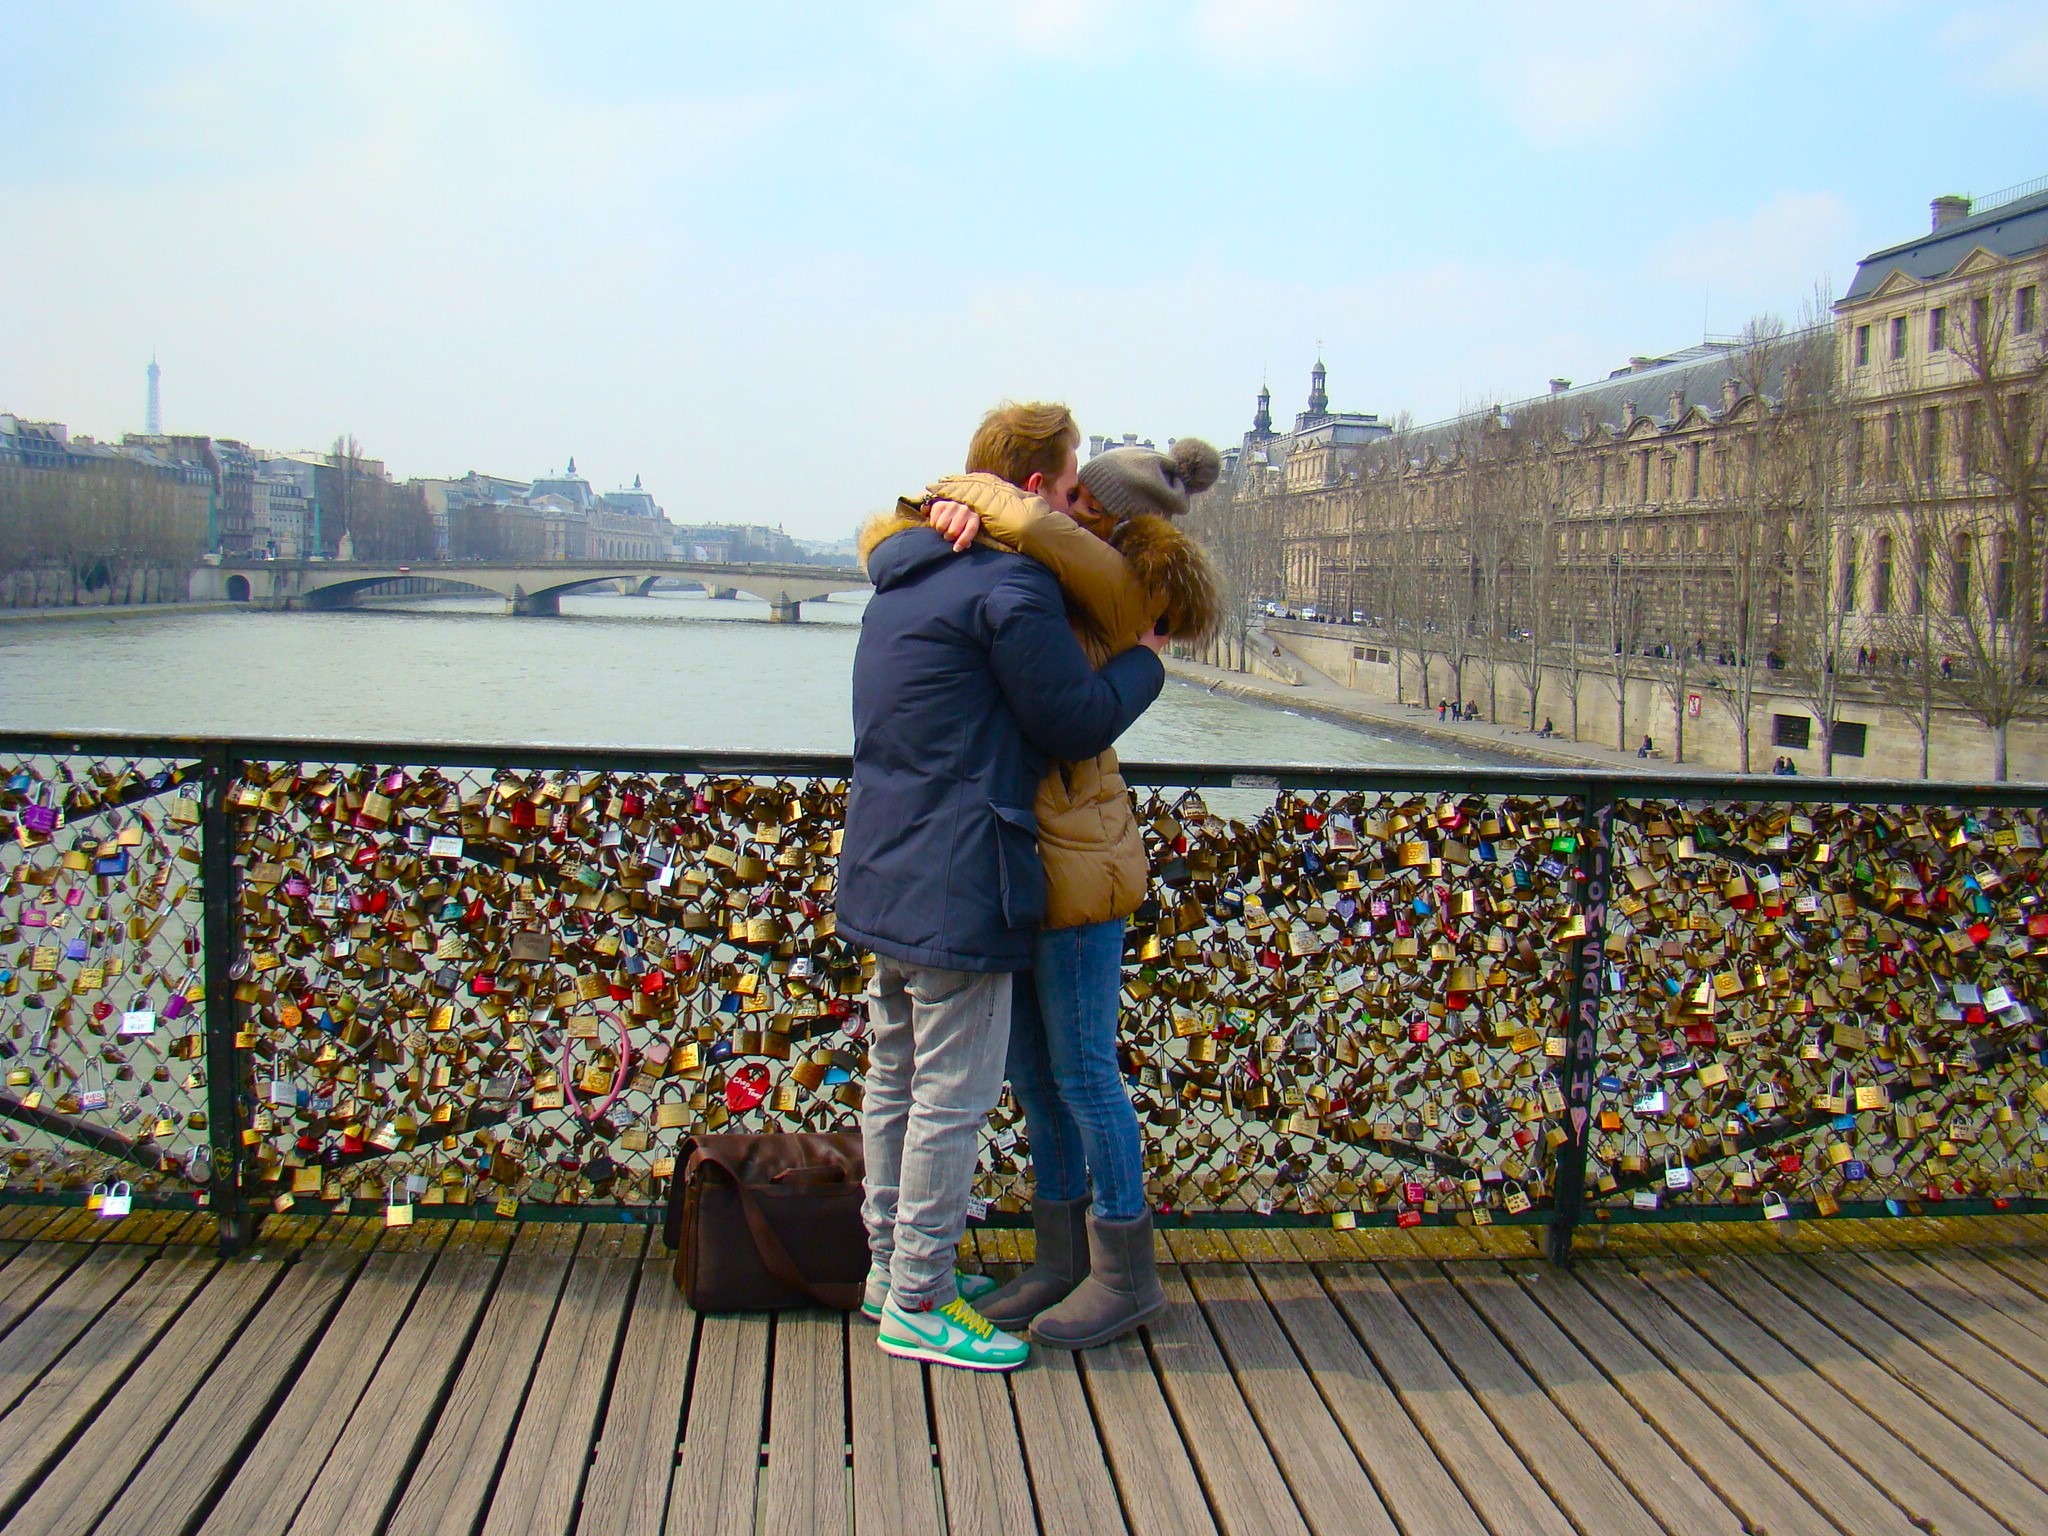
pixel 506 982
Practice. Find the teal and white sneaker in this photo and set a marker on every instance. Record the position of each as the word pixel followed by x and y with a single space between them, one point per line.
pixel 971 1288
pixel 954 1335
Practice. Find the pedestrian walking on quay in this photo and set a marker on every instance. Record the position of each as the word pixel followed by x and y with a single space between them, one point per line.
pixel 967 683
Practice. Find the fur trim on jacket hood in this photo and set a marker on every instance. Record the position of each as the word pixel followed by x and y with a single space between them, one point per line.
pixel 1173 565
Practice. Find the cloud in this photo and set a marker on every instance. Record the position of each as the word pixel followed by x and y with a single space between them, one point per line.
pixel 2001 49
pixel 991 31
pixel 1762 259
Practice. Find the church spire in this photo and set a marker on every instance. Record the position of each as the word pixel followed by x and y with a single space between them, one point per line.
pixel 1262 418
pixel 1318 391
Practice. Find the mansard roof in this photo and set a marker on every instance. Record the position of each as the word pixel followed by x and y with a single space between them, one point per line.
pixel 2017 228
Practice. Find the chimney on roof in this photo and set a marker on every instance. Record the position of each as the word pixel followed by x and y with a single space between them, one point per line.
pixel 1948 208
pixel 1731 391
pixel 1628 413
pixel 1559 386
pixel 1677 404
pixel 1094 445
pixel 1638 364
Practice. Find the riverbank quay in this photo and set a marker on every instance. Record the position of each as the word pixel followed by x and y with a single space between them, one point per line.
pixel 1502 745
pixel 113 611
pixel 523 1376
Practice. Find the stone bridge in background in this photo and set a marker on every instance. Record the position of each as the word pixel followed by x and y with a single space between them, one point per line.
pixel 532 587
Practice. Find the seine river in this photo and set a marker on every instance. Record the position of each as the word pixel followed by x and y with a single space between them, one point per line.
pixel 672 671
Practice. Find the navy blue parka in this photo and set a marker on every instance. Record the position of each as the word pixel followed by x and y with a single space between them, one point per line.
pixel 967 683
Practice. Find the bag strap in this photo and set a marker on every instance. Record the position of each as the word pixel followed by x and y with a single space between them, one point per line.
pixel 839 1296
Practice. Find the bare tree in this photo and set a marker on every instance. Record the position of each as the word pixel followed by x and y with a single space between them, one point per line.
pixel 1821 546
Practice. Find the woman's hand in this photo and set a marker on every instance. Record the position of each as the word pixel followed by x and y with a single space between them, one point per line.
pixel 956 520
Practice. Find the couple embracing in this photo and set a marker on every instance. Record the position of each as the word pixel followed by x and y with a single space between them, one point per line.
pixel 990 859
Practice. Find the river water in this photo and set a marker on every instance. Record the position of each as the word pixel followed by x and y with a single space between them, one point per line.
pixel 674 670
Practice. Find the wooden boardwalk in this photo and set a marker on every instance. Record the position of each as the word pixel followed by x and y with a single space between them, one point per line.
pixel 483 1377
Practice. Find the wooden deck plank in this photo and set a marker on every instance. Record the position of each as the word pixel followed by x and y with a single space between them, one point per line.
pixel 72 1391
pixel 1884 1453
pixel 2021 1391
pixel 272 1481
pixel 1330 1486
pixel 200 1448
pixel 1778 1434
pixel 1658 1476
pixel 91 1475
pixel 1485 1466
pixel 1958 1454
pixel 1936 1381
pixel 62 1315
pixel 627 1491
pixel 1244 1485
pixel 448 1485
pixel 2022 1268
pixel 1570 1468
pixel 1412 1483
pixel 372 1457
pixel 806 1479
pixel 713 1493
pixel 1069 1474
pixel 981 1460
pixel 1155 1477
pixel 2020 1334
pixel 895 1477
pixel 2013 1302
pixel 32 1276
pixel 538 1490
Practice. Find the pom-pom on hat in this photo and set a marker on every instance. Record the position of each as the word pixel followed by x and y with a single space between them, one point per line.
pixel 1130 481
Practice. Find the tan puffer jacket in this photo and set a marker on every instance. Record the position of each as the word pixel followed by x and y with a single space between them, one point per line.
pixel 1151 575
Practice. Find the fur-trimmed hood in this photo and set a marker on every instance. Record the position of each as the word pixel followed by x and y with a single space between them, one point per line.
pixel 1173 565
pixel 904 515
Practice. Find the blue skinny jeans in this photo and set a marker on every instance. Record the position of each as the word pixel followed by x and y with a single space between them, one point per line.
pixel 1063 1069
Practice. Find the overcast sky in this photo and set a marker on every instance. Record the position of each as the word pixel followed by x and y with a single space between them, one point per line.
pixel 777 259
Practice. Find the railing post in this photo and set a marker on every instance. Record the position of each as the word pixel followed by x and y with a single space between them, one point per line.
pixel 1582 1019
pixel 223 1059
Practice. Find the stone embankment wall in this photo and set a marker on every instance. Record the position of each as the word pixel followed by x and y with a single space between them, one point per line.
pixel 1959 748
pixel 64 587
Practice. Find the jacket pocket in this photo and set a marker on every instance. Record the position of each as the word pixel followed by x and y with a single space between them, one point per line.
pixel 1021 871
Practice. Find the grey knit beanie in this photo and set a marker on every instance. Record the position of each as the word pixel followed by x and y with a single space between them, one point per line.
pixel 1129 481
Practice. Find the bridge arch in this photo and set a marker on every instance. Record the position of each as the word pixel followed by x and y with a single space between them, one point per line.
pixel 238 588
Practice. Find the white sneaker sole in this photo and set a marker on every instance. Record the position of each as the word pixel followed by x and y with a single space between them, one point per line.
pixel 939 1357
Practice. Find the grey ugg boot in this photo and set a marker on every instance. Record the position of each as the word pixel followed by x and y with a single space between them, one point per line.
pixel 1122 1289
pixel 1058 1262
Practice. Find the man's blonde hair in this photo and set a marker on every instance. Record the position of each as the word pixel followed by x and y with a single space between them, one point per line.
pixel 1015 442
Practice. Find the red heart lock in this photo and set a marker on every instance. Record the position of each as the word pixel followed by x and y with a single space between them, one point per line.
pixel 746 1088
pixel 102 1010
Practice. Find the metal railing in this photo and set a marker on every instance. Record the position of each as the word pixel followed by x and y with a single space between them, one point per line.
pixel 275 975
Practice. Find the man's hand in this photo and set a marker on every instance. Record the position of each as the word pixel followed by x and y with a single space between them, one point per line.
pixel 956 520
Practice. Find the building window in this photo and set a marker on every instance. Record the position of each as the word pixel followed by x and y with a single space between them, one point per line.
pixel 1966 443
pixel 1850 737
pixel 1692 475
pixel 1898 337
pixel 2001 581
pixel 1600 483
pixel 1959 575
pixel 1980 322
pixel 2029 310
pixel 1881 590
pixel 1930 443
pixel 1859 431
pixel 1845 591
pixel 1937 328
pixel 1862 346
pixel 1791 731
pixel 1891 448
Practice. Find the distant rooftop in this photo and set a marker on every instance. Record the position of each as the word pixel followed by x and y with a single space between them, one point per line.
pixel 2009 223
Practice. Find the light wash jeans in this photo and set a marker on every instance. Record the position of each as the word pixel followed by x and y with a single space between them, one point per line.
pixel 936 1045
pixel 1063 1069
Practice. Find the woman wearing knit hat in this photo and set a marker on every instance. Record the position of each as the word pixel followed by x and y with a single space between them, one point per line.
pixel 1127 569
